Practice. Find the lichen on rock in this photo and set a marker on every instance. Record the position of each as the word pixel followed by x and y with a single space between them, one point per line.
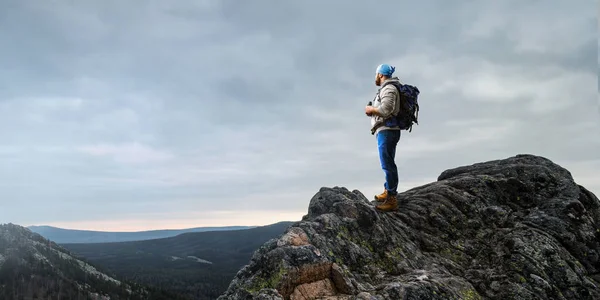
pixel 516 228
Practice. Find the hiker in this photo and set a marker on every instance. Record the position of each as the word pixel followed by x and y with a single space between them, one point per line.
pixel 386 125
pixel 385 105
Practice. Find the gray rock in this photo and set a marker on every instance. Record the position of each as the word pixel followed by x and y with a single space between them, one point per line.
pixel 517 228
pixel 269 294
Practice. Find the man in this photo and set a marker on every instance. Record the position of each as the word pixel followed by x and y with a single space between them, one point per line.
pixel 386 105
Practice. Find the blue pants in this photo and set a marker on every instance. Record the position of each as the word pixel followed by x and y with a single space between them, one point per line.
pixel 386 142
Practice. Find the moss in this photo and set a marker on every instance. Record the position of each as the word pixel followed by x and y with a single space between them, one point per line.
pixel 344 234
pixel 522 279
pixel 344 229
pixel 470 294
pixel 397 253
pixel 391 259
pixel 365 244
pixel 487 179
pixel 385 264
pixel 460 246
pixel 346 271
pixel 270 282
pixel 453 255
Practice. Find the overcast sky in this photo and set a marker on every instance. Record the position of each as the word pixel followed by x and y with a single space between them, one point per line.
pixel 133 115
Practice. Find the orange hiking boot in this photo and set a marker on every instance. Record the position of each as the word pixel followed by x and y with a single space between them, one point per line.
pixel 390 204
pixel 381 197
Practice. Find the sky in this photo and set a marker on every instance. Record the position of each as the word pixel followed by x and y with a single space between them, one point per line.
pixel 137 115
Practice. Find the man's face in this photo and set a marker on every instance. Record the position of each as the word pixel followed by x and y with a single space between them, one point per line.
pixel 377 79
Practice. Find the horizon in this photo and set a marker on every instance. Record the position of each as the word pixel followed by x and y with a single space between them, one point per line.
pixel 220 113
pixel 136 231
pixel 157 225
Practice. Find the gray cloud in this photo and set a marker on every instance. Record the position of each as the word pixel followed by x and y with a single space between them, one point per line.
pixel 203 112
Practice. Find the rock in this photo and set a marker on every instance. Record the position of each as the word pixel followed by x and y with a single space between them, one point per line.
pixel 269 294
pixel 343 283
pixel 314 290
pixel 516 228
pixel 295 236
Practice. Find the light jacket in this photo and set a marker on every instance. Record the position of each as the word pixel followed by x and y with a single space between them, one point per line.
pixel 387 102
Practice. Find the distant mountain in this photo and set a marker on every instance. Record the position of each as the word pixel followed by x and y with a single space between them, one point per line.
pixel 32 267
pixel 200 265
pixel 61 235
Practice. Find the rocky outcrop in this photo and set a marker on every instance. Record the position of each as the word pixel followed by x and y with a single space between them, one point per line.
pixel 517 228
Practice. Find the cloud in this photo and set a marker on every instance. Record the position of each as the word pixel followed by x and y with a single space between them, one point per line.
pixel 133 153
pixel 187 109
pixel 477 79
pixel 541 34
pixel 54 103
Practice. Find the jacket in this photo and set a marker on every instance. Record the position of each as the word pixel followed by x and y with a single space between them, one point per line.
pixel 387 102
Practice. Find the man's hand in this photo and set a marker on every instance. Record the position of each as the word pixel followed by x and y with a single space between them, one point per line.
pixel 370 110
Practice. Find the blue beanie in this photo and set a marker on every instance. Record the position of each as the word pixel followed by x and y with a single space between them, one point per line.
pixel 385 69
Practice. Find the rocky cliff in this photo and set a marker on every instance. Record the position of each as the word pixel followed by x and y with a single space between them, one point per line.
pixel 517 228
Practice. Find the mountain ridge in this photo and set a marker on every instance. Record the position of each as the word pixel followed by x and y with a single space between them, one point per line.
pixel 63 235
pixel 513 228
pixel 32 267
pixel 197 264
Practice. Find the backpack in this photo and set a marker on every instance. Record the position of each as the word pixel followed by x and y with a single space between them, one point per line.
pixel 409 107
